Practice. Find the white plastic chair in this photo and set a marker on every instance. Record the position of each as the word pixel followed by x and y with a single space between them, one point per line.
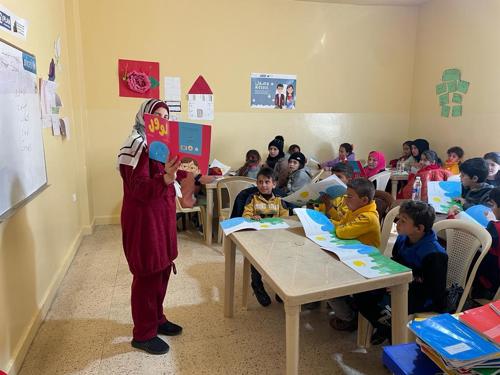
pixel 387 229
pixel 382 179
pixel 317 176
pixel 200 210
pixel 233 185
pixel 463 240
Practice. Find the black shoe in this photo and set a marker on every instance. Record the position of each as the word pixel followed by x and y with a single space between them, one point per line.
pixel 169 329
pixel 152 346
pixel 278 298
pixel 261 295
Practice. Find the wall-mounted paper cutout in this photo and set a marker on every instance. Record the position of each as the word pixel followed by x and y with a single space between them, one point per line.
pixel 200 100
pixel 456 111
pixel 139 79
pixel 12 23
pixel 452 85
pixel 444 99
pixel 451 75
pixel 440 88
pixel 445 110
pixel 457 98
pixel 463 86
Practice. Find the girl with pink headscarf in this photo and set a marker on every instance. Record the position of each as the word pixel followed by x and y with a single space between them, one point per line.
pixel 375 164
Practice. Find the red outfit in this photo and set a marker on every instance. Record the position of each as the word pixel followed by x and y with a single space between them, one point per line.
pixel 431 172
pixel 149 230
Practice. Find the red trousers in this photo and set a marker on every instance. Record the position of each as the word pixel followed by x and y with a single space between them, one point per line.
pixel 148 293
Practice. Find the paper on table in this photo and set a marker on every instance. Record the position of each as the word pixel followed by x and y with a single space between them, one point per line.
pixel 331 186
pixel 366 260
pixel 239 223
pixel 223 167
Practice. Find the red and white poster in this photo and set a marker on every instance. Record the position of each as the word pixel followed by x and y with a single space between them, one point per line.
pixel 139 79
pixel 191 142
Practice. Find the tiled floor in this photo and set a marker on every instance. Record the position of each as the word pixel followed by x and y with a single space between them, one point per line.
pixel 88 328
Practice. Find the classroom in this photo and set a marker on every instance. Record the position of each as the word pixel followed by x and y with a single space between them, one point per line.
pixel 366 72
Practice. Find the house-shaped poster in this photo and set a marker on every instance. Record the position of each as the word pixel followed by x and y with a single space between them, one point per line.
pixel 200 101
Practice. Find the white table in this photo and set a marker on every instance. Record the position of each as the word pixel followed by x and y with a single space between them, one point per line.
pixel 300 272
pixel 395 178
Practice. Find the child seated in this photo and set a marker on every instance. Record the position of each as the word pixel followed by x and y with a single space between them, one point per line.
pixel 336 208
pixel 406 159
pixel 417 248
pixel 251 166
pixel 493 160
pixel 263 204
pixel 475 190
pixel 455 155
pixel 345 153
pixel 298 176
pixel 276 159
pixel 487 279
pixel 375 163
pixel 430 170
pixel 360 222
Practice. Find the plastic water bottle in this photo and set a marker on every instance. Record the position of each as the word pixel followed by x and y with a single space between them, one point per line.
pixel 417 189
pixel 399 167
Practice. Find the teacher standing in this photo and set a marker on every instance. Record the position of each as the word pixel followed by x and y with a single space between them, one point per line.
pixel 148 220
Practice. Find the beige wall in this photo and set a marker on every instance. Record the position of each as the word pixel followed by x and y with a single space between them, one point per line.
pixel 460 34
pixel 37 243
pixel 354 68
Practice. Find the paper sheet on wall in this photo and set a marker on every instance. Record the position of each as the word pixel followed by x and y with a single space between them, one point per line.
pixel 239 223
pixel 441 193
pixel 310 193
pixel 172 89
pixel 200 101
pixel 13 24
pixel 366 260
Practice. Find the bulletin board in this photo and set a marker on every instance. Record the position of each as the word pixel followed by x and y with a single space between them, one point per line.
pixel 22 160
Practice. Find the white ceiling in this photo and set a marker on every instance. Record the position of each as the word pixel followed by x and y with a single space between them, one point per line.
pixel 372 2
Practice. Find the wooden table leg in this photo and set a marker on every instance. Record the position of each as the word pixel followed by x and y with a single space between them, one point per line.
pixel 399 306
pixel 246 282
pixel 209 217
pixel 292 339
pixel 230 260
pixel 394 188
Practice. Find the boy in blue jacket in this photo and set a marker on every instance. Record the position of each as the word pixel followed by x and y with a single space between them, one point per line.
pixel 417 248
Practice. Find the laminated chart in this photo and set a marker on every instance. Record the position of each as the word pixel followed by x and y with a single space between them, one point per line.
pixel 366 260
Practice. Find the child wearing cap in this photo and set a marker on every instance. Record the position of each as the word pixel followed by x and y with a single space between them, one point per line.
pixel 298 176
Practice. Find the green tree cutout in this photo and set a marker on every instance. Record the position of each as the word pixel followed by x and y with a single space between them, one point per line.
pixel 450 93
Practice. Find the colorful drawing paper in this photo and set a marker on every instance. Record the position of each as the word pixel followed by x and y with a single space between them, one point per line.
pixel 366 260
pixel 239 223
pixel 479 214
pixel 311 193
pixel 139 79
pixel 441 194
pixel 191 142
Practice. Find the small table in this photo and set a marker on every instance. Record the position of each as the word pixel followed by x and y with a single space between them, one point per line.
pixel 395 178
pixel 300 272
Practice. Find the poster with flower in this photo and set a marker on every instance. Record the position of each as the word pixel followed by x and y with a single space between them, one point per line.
pixel 139 79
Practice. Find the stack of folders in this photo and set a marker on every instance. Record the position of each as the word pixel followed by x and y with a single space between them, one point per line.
pixel 456 347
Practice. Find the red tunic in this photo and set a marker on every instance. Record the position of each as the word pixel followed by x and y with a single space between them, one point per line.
pixel 148 217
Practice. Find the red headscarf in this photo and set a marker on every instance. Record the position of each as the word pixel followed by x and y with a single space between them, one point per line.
pixel 379 156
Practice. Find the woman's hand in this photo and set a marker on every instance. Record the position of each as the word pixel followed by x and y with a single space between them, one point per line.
pixel 256 217
pixel 171 167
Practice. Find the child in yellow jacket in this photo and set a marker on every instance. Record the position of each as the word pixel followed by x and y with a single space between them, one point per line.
pixel 262 205
pixel 336 208
pixel 361 222
pixel 455 156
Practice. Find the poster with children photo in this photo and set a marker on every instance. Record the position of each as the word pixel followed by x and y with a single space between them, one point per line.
pixel 276 91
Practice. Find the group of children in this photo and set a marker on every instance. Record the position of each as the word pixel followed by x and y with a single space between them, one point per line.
pixel 355 216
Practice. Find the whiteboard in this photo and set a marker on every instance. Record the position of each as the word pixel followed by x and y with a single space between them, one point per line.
pixel 22 159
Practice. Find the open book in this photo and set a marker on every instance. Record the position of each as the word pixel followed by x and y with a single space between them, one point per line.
pixel 310 193
pixel 479 214
pixel 441 194
pixel 240 223
pixel 366 260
